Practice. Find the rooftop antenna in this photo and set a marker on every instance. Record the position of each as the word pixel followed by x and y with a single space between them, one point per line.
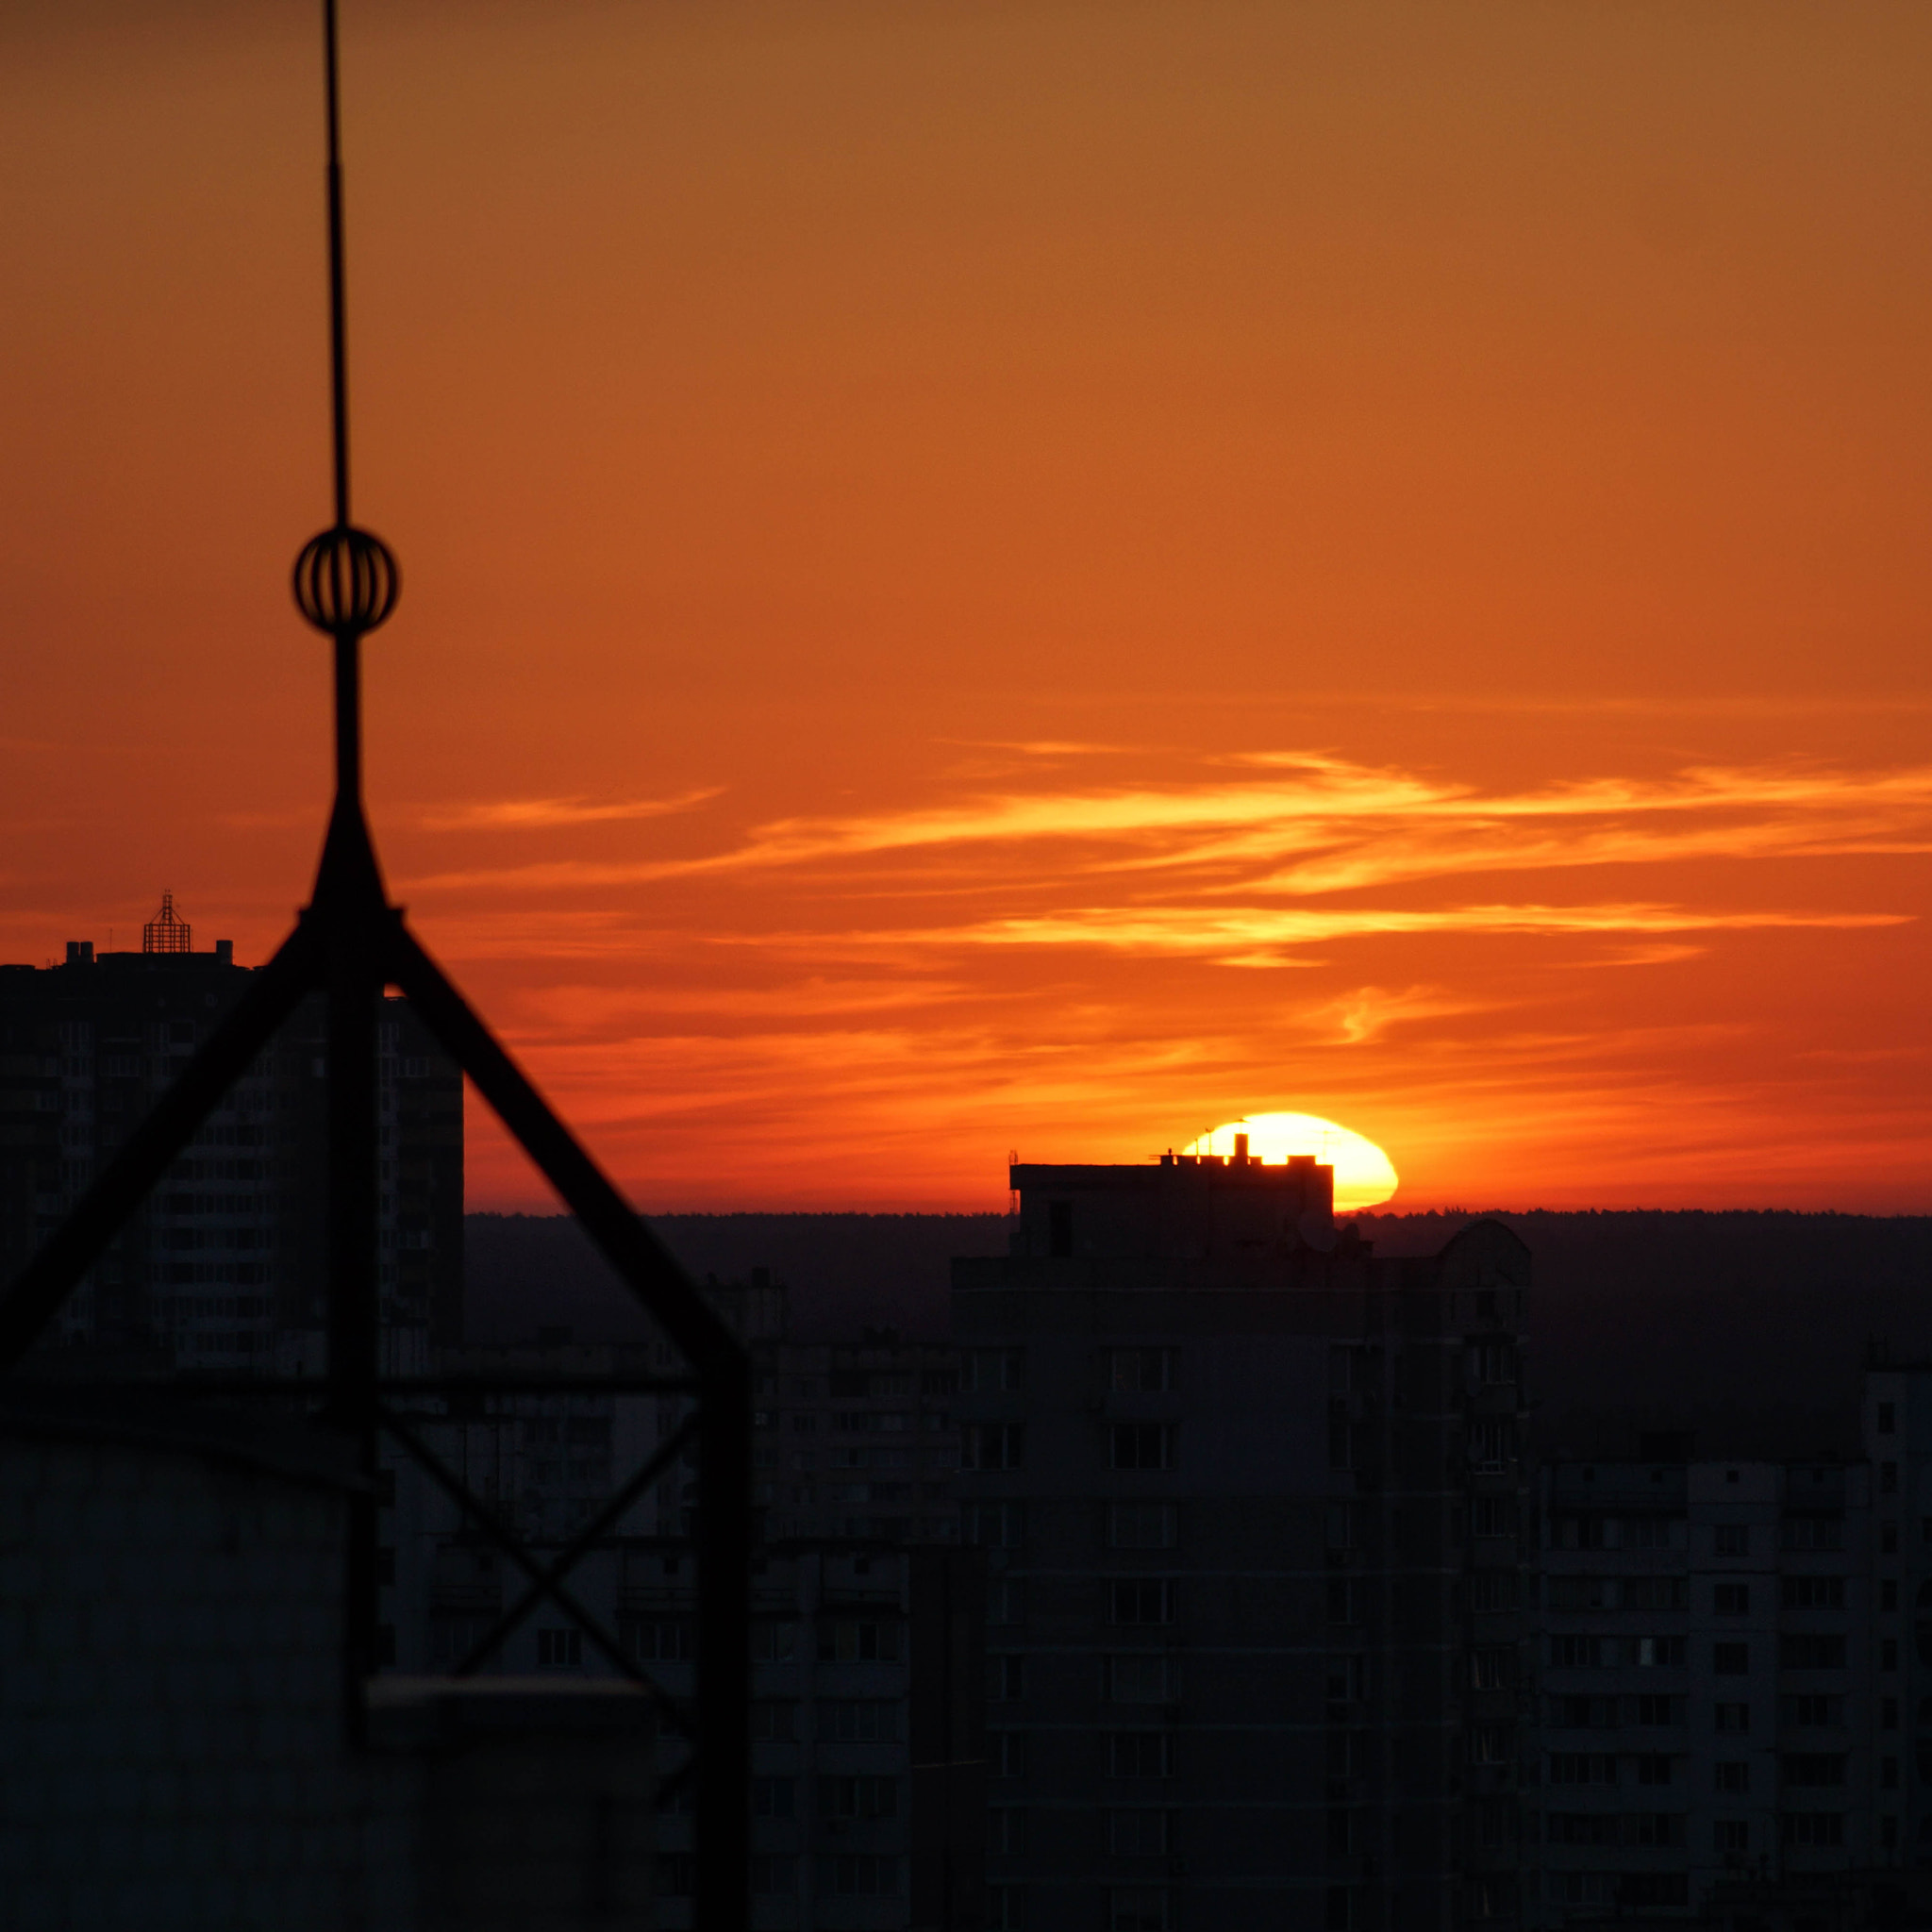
pixel 351 943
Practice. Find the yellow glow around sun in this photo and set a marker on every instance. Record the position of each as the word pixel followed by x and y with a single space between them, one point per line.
pixel 1364 1175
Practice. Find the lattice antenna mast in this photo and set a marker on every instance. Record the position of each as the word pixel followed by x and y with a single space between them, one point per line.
pixel 351 943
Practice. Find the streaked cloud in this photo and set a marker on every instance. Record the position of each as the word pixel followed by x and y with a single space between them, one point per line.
pixel 541 814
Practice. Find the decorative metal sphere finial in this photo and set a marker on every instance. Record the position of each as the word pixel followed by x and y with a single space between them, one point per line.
pixel 346 580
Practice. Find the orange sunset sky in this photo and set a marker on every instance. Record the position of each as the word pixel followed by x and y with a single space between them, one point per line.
pixel 1031 576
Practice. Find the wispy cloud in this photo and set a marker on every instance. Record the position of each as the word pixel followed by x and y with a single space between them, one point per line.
pixel 1245 935
pixel 542 814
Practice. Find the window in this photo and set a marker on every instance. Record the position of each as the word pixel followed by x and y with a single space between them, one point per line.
pixel 1492 1668
pixel 1888 1773
pixel 560 1650
pixel 1654 1768
pixel 1492 1361
pixel 1141 1371
pixel 1338 1914
pixel 857 1719
pixel 1655 1653
pixel 1732 1775
pixel 1141 1526
pixel 773 1878
pixel 1344 1599
pixel 1731 1600
pixel 1888 1418
pixel 1492 1590
pixel 1143 1445
pixel 774 1797
pixel 1887 1594
pixel 1060 1227
pixel 773 1643
pixel 858 1874
pixel 1008 1754
pixel 1652 1711
pixel 1006 1831
pixel 1137 1834
pixel 1139 1753
pixel 1657 1827
pixel 1813 1768
pixel 858 1640
pixel 1140 1677
pixel 1638 1889
pixel 663 1640
pixel 1583 1713
pixel 1576 1652
pixel 1006 1678
pixel 1810 1710
pixel 1005 1600
pixel 1731 1659
pixel 863 1798
pixel 995 1371
pixel 1137 1908
pixel 772 1720
pixel 1887 1478
pixel 1813 1533
pixel 1812 1827
pixel 1731 1834
pixel 1734 1717
pixel 1811 1592
pixel 1582 1828
pixel 1347 1679
pixel 1339 1524
pixel 992 1525
pixel 1491 1443
pixel 1139 1600
pixel 993 1445
pixel 1812 1652
pixel 1887 1539
pixel 1005 1909
pixel 1731 1540
pixel 676 1875
pixel 1582 1768
pixel 1493 1516
pixel 1492 1744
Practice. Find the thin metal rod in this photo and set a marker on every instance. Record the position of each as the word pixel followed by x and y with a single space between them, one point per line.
pixel 354 1328
pixel 338 343
pixel 579 1545
pixel 34 1298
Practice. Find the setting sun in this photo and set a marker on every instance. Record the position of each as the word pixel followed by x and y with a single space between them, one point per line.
pixel 1364 1175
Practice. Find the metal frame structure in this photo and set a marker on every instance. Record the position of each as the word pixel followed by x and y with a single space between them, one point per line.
pixel 351 943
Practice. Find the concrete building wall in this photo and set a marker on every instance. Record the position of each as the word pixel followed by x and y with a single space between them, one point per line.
pixel 1252 1507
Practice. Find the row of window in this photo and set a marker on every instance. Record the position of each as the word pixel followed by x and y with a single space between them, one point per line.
pixel 1796 1651
pixel 863 1798
pixel 1596 1530
pixel 1797 1770
pixel 1573 1594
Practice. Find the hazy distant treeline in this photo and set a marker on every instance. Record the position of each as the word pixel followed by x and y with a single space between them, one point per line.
pixel 1750 1328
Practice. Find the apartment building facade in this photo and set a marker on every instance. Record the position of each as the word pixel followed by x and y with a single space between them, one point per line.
pixel 1723 1681
pixel 1254 1509
pixel 868 1642
pixel 225 1266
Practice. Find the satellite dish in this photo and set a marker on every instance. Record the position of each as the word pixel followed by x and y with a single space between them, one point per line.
pixel 1317 1231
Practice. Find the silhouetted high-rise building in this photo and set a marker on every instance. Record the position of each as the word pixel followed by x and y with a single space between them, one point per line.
pixel 1254 1514
pixel 226 1265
